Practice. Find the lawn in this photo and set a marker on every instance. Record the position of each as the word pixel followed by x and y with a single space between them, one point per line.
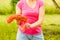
pixel 51 28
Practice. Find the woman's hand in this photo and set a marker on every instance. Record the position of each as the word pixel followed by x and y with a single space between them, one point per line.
pixel 29 25
pixel 18 21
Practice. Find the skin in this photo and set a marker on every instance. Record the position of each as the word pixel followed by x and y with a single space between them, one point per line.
pixel 31 4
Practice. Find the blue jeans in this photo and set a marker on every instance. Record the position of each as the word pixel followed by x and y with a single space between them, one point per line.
pixel 22 36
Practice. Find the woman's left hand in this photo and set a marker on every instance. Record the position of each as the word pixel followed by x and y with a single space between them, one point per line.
pixel 27 25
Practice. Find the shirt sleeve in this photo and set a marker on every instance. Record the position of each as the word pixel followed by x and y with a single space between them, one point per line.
pixel 19 4
pixel 41 3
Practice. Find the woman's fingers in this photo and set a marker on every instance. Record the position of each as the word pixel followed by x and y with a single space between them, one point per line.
pixel 27 25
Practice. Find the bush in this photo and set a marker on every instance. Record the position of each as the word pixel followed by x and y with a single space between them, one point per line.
pixel 5 10
pixel 8 7
pixel 13 4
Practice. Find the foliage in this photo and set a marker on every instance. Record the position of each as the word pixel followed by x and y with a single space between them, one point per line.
pixel 13 4
pixel 8 6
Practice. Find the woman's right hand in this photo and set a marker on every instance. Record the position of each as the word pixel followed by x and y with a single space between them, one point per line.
pixel 18 12
pixel 18 21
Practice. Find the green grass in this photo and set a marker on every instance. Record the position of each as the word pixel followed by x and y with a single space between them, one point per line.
pixel 51 28
pixel 7 31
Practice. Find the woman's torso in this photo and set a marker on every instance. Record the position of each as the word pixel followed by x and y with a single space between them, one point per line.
pixel 32 15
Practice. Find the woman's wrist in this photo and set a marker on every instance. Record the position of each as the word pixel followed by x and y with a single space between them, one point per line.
pixel 32 25
pixel 35 24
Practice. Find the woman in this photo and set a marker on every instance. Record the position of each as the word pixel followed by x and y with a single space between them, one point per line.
pixel 34 11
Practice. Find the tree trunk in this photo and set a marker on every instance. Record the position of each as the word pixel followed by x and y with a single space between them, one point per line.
pixel 56 5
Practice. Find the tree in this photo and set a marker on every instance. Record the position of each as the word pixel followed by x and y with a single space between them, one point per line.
pixel 13 4
pixel 56 5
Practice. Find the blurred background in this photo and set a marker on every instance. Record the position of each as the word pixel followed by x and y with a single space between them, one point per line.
pixel 50 26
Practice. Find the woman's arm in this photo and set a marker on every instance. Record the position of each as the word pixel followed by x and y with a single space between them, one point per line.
pixel 18 10
pixel 41 17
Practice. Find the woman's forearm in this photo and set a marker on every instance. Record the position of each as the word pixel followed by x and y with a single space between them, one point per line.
pixel 37 23
pixel 41 17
